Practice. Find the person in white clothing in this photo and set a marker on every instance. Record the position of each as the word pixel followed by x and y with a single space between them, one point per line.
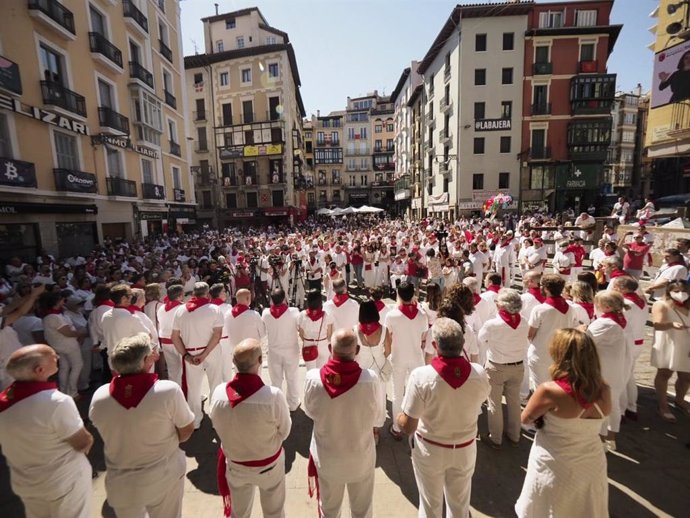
pixel 409 326
pixel 536 256
pixel 342 308
pixel 563 261
pixel 315 328
pixel 197 328
pixel 166 317
pixel 492 283
pixel 483 309
pixel 532 295
pixel 101 305
pixel 74 310
pixel 281 323
pixel 119 321
pixel 29 328
pixel 503 258
pixel 252 421
pixel 673 269
pixel 49 470
pixel 381 306
pixel 440 410
pixel 142 422
pixel 241 323
pixel 345 403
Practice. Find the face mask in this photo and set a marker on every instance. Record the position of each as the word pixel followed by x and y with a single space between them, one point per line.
pixel 679 296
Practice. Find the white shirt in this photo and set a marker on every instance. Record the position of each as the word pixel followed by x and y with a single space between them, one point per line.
pixel 676 272
pixel 9 343
pixel 118 323
pixel 95 318
pixel 32 435
pixel 612 346
pixel 548 320
pixel 488 310
pixel 342 442
pixel 596 256
pixel 314 332
pixel 197 327
pixel 503 343
pixel 165 321
pixel 254 429
pixel 637 320
pixel 529 302
pixel 281 333
pixel 58 341
pixel 346 316
pixel 246 325
pixel 25 326
pixel 446 415
pixel 408 337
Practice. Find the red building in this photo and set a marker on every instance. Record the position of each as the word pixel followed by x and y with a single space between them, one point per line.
pixel 568 96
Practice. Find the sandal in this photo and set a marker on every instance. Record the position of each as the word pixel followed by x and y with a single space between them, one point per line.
pixel 666 416
pixel 394 433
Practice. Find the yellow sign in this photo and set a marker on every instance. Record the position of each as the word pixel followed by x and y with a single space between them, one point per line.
pixel 268 149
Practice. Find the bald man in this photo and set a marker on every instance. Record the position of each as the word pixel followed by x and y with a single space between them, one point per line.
pixel 345 403
pixel 241 323
pixel 252 421
pixel 44 439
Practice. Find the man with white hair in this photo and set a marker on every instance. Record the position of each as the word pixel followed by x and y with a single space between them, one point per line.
pixel 440 410
pixel 197 329
pixel 343 309
pixel 252 421
pixel 142 421
pixel 44 439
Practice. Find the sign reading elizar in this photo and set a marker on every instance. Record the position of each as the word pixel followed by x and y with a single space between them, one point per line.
pixel 493 125
pixel 14 105
pixel 124 143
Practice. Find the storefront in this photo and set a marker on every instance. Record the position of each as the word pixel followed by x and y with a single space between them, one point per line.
pixel 577 186
pixel 357 199
pixel 151 223
pixel 180 218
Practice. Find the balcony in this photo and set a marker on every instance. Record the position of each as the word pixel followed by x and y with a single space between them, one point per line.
pixel 166 51
pixel 54 14
pixel 540 69
pixel 588 67
pixel 446 74
pixel 138 72
pixel 121 187
pixel 595 152
pixel 152 191
pixel 175 148
pixel 540 153
pixel 178 194
pixel 75 181
pixel 591 106
pixel 541 108
pixel 446 138
pixel 328 142
pixel 101 46
pixel 170 99
pixel 201 147
pixel 132 13
pixel 109 118
pixel 446 104
pixel 200 115
pixel 429 117
pixel 55 94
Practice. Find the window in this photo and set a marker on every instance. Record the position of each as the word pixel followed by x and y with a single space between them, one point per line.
pixel 586 17
pixel 505 144
pixel 389 144
pixel 271 40
pixel 541 54
pixel 628 136
pixel 320 138
pixel 335 177
pixel 508 41
pixel 506 109
pixel 363 133
pixel 478 181
pixel 231 200
pixel 480 76
pixel 363 179
pixel 626 156
pixel 148 113
pixel 335 139
pixel 538 143
pixel 377 145
pixel 240 42
pixel 504 180
pixel 219 46
pixel 167 82
pixel 550 19
pixel 328 156
pixel 146 171
pixel 390 127
pixel 273 70
pixel 246 75
pixel 541 177
pixel 114 161
pixel 105 94
pixel 230 23
pixel 479 111
pixel 273 108
pixel 177 182
pixel 224 79
pixel 587 52
pixel 198 79
pixel 53 65
pixel 480 42
pixel 479 145
pixel 98 22
pixel 507 76
pixel 172 130
pixel 378 128
pixel 201 138
pixel 66 151
pixel 5 140
pixel 226 109
pixel 630 119
pixel 247 112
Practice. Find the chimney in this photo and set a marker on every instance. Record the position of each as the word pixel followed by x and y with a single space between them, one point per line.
pixel 216 9
pixel 638 89
pixel 318 113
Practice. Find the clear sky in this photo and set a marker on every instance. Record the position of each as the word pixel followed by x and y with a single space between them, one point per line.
pixel 352 47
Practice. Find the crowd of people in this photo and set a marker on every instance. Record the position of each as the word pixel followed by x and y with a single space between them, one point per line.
pixel 530 313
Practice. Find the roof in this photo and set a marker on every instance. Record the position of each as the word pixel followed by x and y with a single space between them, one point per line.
pixel 612 30
pixel 398 88
pixel 204 60
pixel 234 14
pixel 415 93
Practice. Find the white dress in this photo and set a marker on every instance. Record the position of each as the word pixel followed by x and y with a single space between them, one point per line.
pixel 566 471
pixel 672 346
pixel 373 358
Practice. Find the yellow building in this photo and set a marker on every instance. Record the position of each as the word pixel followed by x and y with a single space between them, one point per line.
pixel 245 118
pixel 92 139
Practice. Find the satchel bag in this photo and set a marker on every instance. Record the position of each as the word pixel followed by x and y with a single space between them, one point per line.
pixel 311 352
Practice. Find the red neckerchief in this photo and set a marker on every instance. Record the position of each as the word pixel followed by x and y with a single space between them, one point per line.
pixel 578 252
pixel 21 390
pixel 512 319
pixel 195 303
pixel 340 299
pixel 567 387
pixel 589 308
pixel 505 243
pixel 217 301
pixel 333 274
pixel 493 287
pixel 454 371
pixel 678 304
pixel 558 302
pixel 108 303
pixel 379 305
pixel 609 254
pixel 238 309
pixel 675 263
pixel 409 310
pixel 476 298
pixel 315 314
pixel 133 308
pixel 166 299
pixel 618 318
pixel 369 329
pixel 55 312
pixel 241 387
pixel 171 304
pixel 130 390
pixel 277 311
pixel 537 294
pixel 339 376
pixel 636 299
pixel 618 273
pixel 312 260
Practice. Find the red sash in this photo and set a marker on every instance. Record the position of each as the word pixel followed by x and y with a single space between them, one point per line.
pixel 369 329
pixel 277 311
pixel 409 310
pixel 315 314
pixel 379 305
pixel 512 319
pixel 636 299
pixel 589 308
pixel 171 304
pixel 339 376
pixel 537 294
pixel 21 390
pixel 238 309
pixel 195 303
pixel 454 371
pixel 558 302
pixel 568 389
pixel 618 318
pixel 340 299
pixel 130 390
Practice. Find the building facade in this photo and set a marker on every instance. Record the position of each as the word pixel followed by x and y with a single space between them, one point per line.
pixel 327 136
pixel 623 171
pixel 358 149
pixel 245 118
pixel 92 135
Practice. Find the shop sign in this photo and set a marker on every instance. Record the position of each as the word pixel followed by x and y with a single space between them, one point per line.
pixel 268 149
pixel 402 194
pixel 439 208
pixel 45 208
pixel 278 212
pixel 534 206
pixel 183 212
pixel 124 143
pixel 231 152
pixel 493 125
pixel 16 173
pixel 14 105
pixel 359 196
pixel 151 216
pixel 242 214
pixel 77 181
pixel 580 176
pixel 9 76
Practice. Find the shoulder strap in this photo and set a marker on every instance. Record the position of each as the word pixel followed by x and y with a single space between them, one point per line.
pixel 601 414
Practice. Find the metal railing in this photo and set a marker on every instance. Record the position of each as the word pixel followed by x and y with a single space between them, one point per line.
pixel 178 194
pixel 56 12
pixel 152 191
pixel 131 11
pixel 170 99
pixel 542 68
pixel 541 109
pixel 121 187
pixel 200 115
pixel 540 153
pixel 175 148
pixel 166 51
pixel 58 95
pixel 100 44
pixel 109 118
pixel 137 71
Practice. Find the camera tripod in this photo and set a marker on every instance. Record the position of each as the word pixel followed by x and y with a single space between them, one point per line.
pixel 297 280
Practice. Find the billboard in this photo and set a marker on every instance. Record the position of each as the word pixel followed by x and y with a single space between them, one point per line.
pixel 671 78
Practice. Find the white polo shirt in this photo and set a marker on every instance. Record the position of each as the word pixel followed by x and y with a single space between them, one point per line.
pixel 95 329
pixel 58 341
pixel 197 327
pixel 281 333
pixel 408 335
pixel 165 321
pixel 32 436
pixel 119 323
pixel 254 429
pixel 548 320
pixel 503 343
pixel 246 325
pixel 346 316
pixel 529 302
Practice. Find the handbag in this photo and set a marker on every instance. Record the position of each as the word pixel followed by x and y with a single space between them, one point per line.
pixel 385 370
pixel 311 352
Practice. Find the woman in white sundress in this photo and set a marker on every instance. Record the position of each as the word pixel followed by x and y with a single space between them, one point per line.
pixel 566 470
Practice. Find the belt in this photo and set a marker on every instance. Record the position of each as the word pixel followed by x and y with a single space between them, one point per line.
pixel 196 349
pixel 449 446
pixel 639 342
pixel 314 339
pixel 260 463
pixel 166 341
pixel 223 337
pixel 511 364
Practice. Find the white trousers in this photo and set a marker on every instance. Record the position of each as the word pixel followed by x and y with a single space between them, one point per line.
pixel 70 365
pixel 284 365
pixel 243 480
pixel 173 361
pixel 538 367
pixel 360 494
pixel 86 349
pixel 400 374
pixel 165 504
pixel 629 400
pixel 213 369
pixel 226 358
pixel 76 503
pixel 324 355
pixel 443 471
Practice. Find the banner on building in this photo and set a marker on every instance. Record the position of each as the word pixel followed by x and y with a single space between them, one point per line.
pixel 16 173
pixel 671 77
pixel 9 76
pixel 268 149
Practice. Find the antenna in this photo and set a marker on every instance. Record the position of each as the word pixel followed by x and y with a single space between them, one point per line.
pixel 196 50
